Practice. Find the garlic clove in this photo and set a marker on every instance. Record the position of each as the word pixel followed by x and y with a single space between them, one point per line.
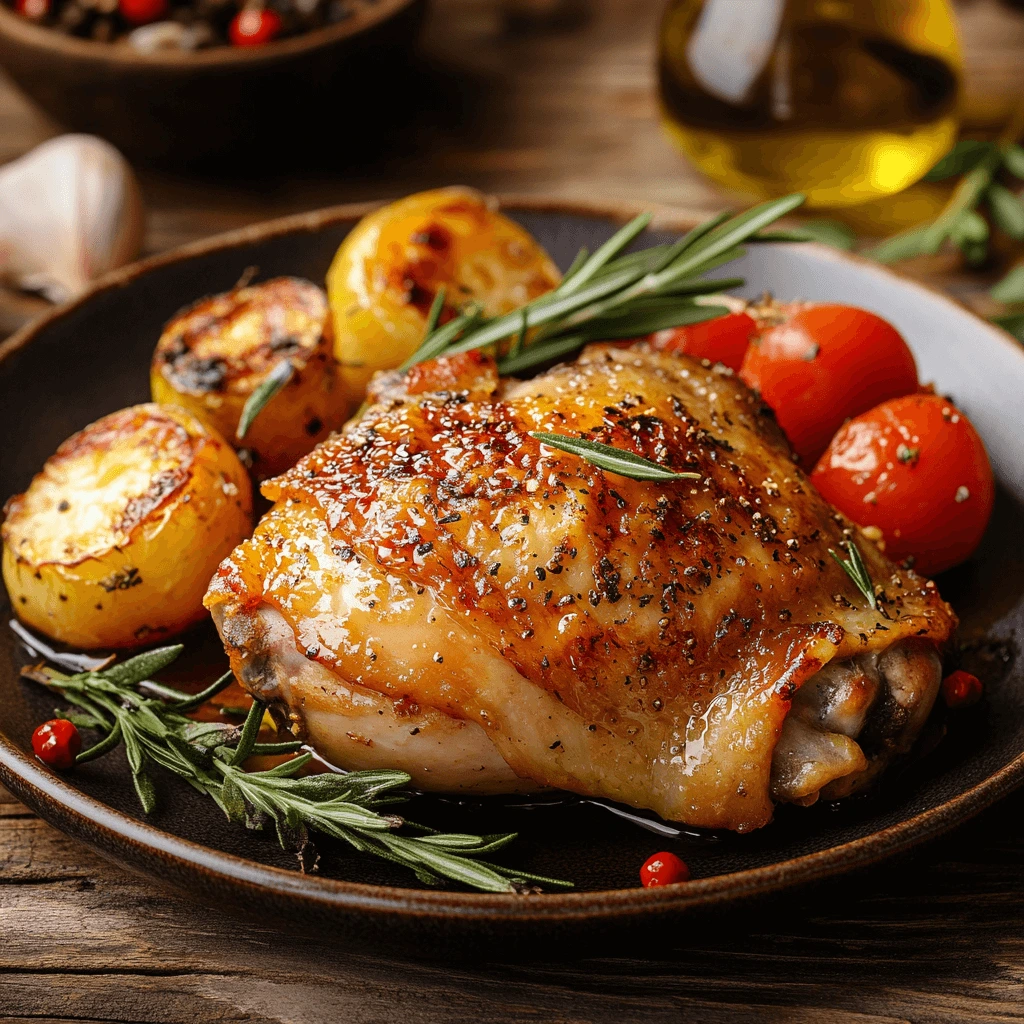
pixel 70 210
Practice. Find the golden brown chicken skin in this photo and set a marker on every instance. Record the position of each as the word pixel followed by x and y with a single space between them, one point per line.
pixel 639 641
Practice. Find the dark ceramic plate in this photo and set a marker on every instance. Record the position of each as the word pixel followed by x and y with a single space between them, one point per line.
pixel 93 356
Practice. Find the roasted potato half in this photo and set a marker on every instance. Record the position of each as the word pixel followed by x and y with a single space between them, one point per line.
pixel 115 541
pixel 213 355
pixel 387 272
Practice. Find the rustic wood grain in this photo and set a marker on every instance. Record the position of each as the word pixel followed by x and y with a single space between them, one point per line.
pixel 937 938
pixel 933 939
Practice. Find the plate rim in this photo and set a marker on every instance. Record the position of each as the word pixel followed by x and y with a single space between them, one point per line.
pixel 107 829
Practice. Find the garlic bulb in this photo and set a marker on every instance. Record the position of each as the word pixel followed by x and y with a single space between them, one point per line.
pixel 70 210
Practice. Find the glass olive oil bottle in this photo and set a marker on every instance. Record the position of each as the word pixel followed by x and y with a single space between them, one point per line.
pixel 846 100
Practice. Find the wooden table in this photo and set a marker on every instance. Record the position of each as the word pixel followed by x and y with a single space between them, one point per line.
pixel 938 937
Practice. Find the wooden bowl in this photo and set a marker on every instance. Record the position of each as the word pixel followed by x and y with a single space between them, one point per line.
pixel 272 104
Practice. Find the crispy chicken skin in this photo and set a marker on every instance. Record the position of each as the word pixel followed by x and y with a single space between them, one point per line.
pixel 435 590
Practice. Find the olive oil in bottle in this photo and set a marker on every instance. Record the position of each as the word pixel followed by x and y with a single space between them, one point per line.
pixel 846 100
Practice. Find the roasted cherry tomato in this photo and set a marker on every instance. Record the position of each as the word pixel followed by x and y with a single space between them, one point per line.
pixel 960 689
pixel 663 869
pixel 823 364
pixel 915 469
pixel 57 743
pixel 36 10
pixel 723 340
pixel 254 27
pixel 142 12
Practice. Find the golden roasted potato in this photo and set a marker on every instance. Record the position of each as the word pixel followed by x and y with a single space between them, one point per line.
pixel 387 272
pixel 213 355
pixel 115 541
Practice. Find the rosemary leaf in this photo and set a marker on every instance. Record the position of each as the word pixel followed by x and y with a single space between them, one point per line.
pixel 526 876
pixel 581 257
pixel 262 394
pixel 289 768
pixel 605 254
pixel 963 157
pixel 692 287
pixel 448 865
pixel 517 345
pixel 612 460
pixel 737 230
pixel 79 719
pixel 436 343
pixel 1007 210
pixel 903 246
pixel 661 313
pixel 548 308
pixel 436 308
pixel 690 239
pixel 105 745
pixel 131 672
pixel 657 314
pixel 535 355
pixel 195 700
pixel 210 735
pixel 965 198
pixel 833 233
pixel 1013 160
pixel 1011 288
pixel 855 568
pixel 273 749
pixel 145 790
pixel 250 731
pixel 149 688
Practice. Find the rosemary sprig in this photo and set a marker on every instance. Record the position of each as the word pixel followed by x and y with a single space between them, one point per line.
pixel 610 459
pixel 209 756
pixel 960 222
pixel 603 296
pixel 610 294
pixel 651 314
pixel 262 394
pixel 855 568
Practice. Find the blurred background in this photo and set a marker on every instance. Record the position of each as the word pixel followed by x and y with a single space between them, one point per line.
pixel 234 114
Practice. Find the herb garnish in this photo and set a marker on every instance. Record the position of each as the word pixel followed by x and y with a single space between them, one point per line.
pixel 855 568
pixel 612 460
pixel 150 719
pixel 608 295
pixel 262 394
pixel 961 222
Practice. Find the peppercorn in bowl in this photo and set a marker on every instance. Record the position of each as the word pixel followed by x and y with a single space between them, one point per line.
pixel 188 82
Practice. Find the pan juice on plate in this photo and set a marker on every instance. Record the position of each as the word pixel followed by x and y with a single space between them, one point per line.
pixel 845 100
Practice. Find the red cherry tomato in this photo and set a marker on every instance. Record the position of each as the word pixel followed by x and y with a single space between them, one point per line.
pixel 142 12
pixel 916 469
pixel 723 340
pixel 36 10
pixel 960 689
pixel 663 869
pixel 254 28
pixel 57 743
pixel 824 364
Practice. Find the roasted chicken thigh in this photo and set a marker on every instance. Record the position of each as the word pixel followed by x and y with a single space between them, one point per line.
pixel 437 591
